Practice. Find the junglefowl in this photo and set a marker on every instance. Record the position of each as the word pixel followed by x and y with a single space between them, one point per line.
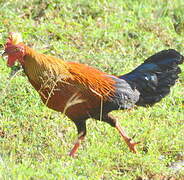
pixel 82 92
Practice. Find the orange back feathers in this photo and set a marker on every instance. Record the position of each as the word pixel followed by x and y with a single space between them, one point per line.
pixel 97 81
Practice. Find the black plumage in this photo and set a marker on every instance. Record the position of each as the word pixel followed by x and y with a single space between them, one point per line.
pixel 155 76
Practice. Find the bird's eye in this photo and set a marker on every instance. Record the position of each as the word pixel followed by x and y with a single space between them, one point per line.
pixel 16 49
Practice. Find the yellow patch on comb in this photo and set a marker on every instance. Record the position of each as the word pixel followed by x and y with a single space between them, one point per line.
pixel 15 37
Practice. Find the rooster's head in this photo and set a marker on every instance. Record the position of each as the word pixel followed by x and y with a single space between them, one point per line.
pixel 14 48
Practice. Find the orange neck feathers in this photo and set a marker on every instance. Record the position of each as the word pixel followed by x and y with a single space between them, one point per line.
pixel 39 66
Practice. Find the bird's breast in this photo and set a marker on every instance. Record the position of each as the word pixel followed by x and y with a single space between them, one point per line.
pixel 70 101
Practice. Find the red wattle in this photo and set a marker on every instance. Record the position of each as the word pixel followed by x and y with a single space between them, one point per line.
pixel 11 60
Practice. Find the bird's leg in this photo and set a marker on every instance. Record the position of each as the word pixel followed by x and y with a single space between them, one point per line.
pixel 126 138
pixel 113 122
pixel 81 128
pixel 76 145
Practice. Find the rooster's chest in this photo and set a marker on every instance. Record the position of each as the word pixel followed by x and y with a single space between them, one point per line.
pixel 68 99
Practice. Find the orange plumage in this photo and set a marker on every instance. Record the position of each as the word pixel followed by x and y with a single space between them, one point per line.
pixel 82 92
pixel 47 74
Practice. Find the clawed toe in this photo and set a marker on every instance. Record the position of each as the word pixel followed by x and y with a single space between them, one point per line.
pixel 132 145
pixel 133 136
pixel 128 140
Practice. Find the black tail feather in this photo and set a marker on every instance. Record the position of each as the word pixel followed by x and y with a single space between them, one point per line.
pixel 155 76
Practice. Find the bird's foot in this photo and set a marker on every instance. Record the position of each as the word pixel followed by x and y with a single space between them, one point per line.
pixel 128 140
pixel 74 150
pixel 132 145
pixel 76 146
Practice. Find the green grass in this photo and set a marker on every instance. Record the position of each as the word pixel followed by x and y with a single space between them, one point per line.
pixel 114 36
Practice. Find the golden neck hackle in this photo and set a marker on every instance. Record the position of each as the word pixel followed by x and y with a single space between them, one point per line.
pixel 37 65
